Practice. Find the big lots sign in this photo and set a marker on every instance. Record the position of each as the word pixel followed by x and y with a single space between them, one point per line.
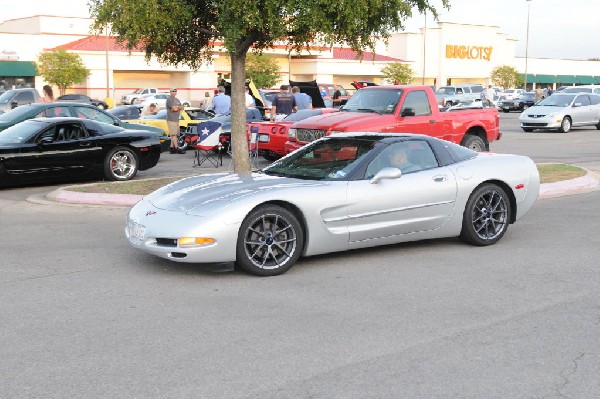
pixel 469 52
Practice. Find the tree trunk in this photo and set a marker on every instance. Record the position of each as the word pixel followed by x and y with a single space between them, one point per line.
pixel 239 140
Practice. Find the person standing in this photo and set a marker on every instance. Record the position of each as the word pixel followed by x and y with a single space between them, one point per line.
pixel 337 101
pixel 538 94
pixel 174 109
pixel 489 96
pixel 250 103
pixel 303 100
pixel 222 102
pixel 48 95
pixel 283 104
pixel 325 96
pixel 549 92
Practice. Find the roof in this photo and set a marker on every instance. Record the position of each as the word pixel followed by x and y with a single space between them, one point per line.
pixel 340 53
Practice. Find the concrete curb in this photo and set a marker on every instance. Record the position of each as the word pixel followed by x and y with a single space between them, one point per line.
pixel 579 185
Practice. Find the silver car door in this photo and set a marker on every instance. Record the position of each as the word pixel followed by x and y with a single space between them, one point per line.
pixel 418 201
pixel 580 110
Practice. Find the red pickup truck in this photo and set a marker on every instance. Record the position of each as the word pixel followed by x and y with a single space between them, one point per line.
pixel 401 109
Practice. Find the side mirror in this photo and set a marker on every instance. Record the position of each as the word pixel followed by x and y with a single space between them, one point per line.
pixel 386 173
pixel 46 140
pixel 408 111
pixel 576 105
pixel 13 104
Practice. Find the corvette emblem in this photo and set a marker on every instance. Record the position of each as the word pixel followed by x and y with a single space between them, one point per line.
pixel 150 213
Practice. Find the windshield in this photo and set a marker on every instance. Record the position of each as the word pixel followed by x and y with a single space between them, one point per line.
pixel 446 90
pixel 526 96
pixel 373 100
pixel 198 114
pixel 138 91
pixel 557 100
pixel 327 159
pixel 302 114
pixel 16 113
pixel 20 133
pixel 6 96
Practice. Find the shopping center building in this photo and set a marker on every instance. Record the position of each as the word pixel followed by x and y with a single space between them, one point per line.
pixel 447 53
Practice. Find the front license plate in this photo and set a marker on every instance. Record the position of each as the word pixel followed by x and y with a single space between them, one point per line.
pixel 137 231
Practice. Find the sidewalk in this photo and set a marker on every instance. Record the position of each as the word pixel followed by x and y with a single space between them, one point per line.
pixel 587 183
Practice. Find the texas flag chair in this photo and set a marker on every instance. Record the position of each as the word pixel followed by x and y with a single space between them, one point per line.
pixel 208 147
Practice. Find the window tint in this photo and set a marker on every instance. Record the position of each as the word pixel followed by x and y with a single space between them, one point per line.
pixel 408 156
pixel 418 101
pixel 583 100
pixel 94 114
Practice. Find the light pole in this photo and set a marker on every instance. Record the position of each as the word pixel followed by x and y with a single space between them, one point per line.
pixel 527 41
pixel 424 46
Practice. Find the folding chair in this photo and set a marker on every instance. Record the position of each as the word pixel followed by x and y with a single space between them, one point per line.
pixel 208 146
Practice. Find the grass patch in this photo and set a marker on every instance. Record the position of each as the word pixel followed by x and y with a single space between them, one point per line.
pixel 553 172
pixel 136 187
pixel 549 173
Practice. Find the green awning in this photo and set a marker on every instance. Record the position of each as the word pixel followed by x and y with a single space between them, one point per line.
pixel 17 68
pixel 597 80
pixel 530 77
pixel 568 79
pixel 584 79
pixel 544 78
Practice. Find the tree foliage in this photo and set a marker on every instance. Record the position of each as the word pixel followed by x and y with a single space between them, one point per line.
pixel 61 69
pixel 506 76
pixel 263 71
pixel 188 32
pixel 397 72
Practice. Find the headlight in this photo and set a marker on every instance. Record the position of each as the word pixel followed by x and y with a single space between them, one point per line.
pixel 292 134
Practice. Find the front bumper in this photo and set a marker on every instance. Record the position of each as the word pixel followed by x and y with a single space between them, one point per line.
pixel 541 123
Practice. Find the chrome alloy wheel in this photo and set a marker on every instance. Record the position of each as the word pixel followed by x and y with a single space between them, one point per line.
pixel 489 215
pixel 123 164
pixel 270 241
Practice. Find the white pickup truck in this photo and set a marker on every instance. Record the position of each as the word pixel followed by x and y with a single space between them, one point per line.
pixel 129 98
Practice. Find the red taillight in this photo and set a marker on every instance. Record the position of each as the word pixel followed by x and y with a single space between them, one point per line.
pixel 282 130
pixel 274 129
pixel 144 149
pixel 519 186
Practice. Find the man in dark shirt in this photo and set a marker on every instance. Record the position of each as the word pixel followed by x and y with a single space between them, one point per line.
pixel 336 96
pixel 283 104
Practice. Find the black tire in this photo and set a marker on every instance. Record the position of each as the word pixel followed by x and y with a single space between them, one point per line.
pixel 271 157
pixel 270 241
pixel 120 164
pixel 565 125
pixel 182 145
pixel 102 107
pixel 506 111
pixel 133 101
pixel 486 216
pixel 598 126
pixel 474 143
pixel 448 104
pixel 525 106
pixel 527 129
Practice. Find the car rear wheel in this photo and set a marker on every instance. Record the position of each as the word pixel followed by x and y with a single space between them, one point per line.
pixel 120 164
pixel 527 130
pixel 486 216
pixel 506 111
pixel 102 106
pixel 473 142
pixel 181 143
pixel 565 125
pixel 270 241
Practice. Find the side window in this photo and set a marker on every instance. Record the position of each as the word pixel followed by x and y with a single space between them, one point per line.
pixel 53 112
pixel 408 156
pixel 24 97
pixel 459 90
pixel 418 101
pixel 583 100
pixel 94 114
pixel 71 131
pixel 69 97
pixel 595 100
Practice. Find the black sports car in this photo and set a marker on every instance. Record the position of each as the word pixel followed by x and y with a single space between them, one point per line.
pixel 82 98
pixel 521 103
pixel 57 149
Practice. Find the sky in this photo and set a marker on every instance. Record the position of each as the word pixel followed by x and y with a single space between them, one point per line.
pixel 557 28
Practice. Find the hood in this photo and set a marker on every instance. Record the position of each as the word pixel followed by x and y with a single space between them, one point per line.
pixel 209 192
pixel 542 110
pixel 345 121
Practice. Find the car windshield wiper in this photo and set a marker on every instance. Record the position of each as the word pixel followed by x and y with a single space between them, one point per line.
pixel 368 110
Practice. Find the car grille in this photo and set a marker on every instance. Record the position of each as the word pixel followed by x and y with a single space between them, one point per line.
pixel 531 124
pixel 308 135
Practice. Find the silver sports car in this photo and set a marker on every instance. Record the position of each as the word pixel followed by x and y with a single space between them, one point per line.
pixel 340 192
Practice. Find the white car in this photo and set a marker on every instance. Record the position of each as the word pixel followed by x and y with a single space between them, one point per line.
pixel 511 94
pixel 160 99
pixel 561 111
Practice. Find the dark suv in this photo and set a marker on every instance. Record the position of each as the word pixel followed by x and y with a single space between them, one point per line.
pixel 82 98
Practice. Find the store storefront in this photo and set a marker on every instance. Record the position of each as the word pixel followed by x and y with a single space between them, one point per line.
pixel 16 74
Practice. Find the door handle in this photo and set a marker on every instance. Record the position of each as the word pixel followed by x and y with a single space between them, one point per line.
pixel 440 178
pixel 84 144
pixel 432 121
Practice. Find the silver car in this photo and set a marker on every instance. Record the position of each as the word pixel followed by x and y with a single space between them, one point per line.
pixel 342 192
pixel 561 111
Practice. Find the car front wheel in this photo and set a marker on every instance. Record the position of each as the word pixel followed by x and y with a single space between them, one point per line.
pixel 486 216
pixel 565 125
pixel 120 164
pixel 270 241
